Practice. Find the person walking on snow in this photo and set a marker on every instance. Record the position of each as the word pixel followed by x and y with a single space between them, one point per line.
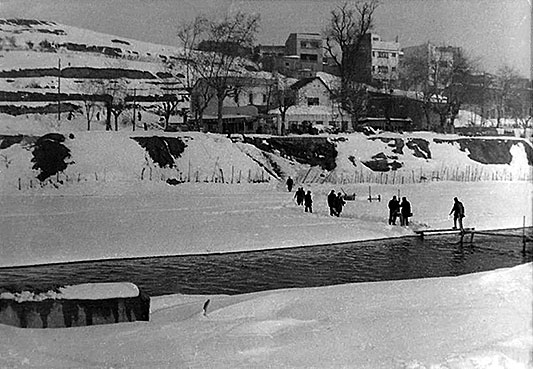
pixel 332 198
pixel 308 201
pixel 289 183
pixel 339 203
pixel 458 211
pixel 405 212
pixel 394 210
pixel 299 196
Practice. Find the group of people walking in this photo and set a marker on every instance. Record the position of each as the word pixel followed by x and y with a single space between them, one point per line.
pixel 400 209
pixel 335 203
pixel 397 209
pixel 304 198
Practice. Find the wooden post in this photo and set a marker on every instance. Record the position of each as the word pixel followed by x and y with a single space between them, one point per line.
pixel 370 193
pixel 524 234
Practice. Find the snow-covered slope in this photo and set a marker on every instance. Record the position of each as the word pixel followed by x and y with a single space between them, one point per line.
pixel 32 35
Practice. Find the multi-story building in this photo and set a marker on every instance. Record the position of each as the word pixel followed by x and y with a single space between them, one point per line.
pixel 439 60
pixel 303 54
pixel 377 61
pixel 300 57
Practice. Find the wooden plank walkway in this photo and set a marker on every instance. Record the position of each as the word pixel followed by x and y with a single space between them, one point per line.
pixel 429 232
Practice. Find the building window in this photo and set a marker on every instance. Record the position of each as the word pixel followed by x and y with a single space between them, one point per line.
pixel 373 53
pixel 264 98
pixel 393 55
pixel 393 69
pixel 309 57
pixel 383 69
pixel 309 44
pixel 313 101
pixel 251 98
pixel 383 54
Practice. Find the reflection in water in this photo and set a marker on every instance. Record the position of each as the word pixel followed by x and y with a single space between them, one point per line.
pixel 234 273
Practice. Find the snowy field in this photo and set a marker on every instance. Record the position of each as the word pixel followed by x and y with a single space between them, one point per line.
pixel 204 218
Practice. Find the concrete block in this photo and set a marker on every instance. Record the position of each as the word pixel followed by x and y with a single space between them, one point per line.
pixel 75 306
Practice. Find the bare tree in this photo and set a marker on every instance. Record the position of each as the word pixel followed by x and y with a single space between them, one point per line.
pixel 90 88
pixel 190 35
pixel 450 89
pixel 345 32
pixel 167 107
pixel 347 27
pixel 444 84
pixel 283 98
pixel 508 94
pixel 117 89
pixel 218 66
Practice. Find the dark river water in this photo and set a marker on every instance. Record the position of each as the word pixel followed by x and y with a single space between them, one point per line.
pixel 235 273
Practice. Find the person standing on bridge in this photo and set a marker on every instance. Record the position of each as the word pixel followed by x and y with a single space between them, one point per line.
pixel 458 211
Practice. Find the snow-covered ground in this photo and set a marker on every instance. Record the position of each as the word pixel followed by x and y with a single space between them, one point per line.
pixel 475 321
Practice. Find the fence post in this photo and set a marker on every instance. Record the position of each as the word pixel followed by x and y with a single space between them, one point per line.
pixel 524 234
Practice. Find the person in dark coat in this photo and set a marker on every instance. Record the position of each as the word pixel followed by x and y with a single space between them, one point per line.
pixel 308 201
pixel 458 211
pixel 394 210
pixel 332 198
pixel 339 203
pixel 405 211
pixel 289 183
pixel 299 196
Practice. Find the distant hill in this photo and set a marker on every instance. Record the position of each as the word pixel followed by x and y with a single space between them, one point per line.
pixel 33 51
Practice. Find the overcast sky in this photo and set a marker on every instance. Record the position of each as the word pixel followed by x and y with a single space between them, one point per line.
pixel 495 31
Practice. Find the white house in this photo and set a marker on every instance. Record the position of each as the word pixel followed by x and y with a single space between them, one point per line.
pixel 313 107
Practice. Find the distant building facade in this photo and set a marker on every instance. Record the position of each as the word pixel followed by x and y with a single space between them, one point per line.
pixel 300 57
pixel 248 98
pixel 439 59
pixel 377 61
pixel 313 108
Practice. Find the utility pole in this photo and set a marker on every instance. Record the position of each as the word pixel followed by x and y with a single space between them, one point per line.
pixel 59 89
pixel 134 112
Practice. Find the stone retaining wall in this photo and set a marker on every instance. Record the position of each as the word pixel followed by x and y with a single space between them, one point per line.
pixel 59 313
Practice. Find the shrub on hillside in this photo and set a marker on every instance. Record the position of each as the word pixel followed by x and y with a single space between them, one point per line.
pixel 49 155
